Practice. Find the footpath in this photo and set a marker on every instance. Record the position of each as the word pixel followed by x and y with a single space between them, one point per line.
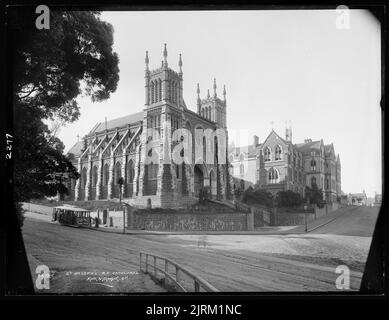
pixel 273 230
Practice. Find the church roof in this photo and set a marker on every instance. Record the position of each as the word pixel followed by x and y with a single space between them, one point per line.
pixel 306 146
pixel 76 149
pixel 250 150
pixel 272 132
pixel 118 122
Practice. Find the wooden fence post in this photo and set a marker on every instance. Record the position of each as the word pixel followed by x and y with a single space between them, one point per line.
pixel 196 286
pixel 166 273
pixel 155 266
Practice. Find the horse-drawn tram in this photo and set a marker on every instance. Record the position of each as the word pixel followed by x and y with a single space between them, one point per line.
pixel 72 216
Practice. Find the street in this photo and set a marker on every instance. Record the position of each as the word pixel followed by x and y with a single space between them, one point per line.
pixel 85 260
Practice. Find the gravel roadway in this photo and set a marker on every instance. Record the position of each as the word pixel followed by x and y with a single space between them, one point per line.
pixel 87 261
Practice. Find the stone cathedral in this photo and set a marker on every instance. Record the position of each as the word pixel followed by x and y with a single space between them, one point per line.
pixel 118 148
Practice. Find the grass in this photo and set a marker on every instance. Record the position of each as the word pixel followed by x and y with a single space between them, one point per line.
pixel 92 205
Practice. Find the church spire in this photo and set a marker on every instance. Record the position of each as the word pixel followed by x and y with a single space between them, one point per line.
pixel 165 55
pixel 198 99
pixel 290 131
pixel 208 96
pixel 147 61
pixel 224 92
pixel 214 87
pixel 180 64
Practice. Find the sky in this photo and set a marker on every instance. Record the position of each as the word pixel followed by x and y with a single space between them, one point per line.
pixel 277 66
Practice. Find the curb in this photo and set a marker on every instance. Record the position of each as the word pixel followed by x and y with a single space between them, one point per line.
pixel 321 225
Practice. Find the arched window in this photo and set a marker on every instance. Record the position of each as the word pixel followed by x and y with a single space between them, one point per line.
pixel 156 92
pixel 159 90
pixel 273 176
pixel 241 169
pixel 94 176
pixel 152 171
pixel 204 149
pixel 176 92
pixel 278 153
pixel 231 159
pixel 178 171
pixel 313 182
pixel 313 165
pixel 105 174
pixel 118 172
pixel 152 91
pixel 267 154
pixel 172 91
pixel 130 171
pixel 83 178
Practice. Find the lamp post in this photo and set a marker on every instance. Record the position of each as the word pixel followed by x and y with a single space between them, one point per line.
pixel 306 223
pixel 120 182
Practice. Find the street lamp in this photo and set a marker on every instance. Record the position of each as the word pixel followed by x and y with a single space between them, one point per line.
pixel 306 224
pixel 121 182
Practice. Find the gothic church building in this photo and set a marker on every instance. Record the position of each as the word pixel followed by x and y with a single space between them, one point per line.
pixel 119 148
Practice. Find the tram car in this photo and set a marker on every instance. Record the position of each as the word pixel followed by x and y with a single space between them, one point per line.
pixel 72 216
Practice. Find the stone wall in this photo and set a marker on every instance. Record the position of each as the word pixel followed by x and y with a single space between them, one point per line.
pixel 37 208
pixel 293 219
pixel 189 221
pixel 169 200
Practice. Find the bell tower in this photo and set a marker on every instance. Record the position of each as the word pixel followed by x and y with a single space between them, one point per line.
pixel 163 109
pixel 213 108
pixel 163 85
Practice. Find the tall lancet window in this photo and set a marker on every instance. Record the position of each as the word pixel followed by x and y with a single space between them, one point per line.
pixel 152 91
pixel 267 154
pixel 273 176
pixel 278 153
pixel 313 182
pixel 172 91
pixel 176 92
pixel 156 91
pixel 159 90
pixel 313 165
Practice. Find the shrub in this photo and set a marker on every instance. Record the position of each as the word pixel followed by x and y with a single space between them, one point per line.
pixel 314 195
pixel 288 198
pixel 257 196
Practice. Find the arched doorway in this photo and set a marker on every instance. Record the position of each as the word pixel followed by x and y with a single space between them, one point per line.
pixel 130 178
pixel 198 179
pixel 213 184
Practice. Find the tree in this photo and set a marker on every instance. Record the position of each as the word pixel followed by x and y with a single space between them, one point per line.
pixel 258 196
pixel 50 69
pixel 314 195
pixel 288 199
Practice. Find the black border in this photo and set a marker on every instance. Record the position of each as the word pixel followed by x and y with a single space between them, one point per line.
pixel 14 252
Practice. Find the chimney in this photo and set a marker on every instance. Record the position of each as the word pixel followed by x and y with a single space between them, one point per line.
pixel 256 141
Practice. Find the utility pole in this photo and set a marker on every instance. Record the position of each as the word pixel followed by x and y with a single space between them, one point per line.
pixel 120 182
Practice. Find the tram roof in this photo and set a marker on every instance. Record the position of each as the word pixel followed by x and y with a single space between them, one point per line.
pixel 71 208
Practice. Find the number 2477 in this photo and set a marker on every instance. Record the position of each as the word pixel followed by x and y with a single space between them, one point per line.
pixel 8 147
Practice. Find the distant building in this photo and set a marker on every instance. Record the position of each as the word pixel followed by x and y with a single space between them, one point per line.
pixel 357 199
pixel 277 164
pixel 377 199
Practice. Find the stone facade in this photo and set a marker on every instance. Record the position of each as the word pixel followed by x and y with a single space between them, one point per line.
pixel 138 148
pixel 278 164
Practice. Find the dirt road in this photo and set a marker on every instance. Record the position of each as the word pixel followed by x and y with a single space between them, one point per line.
pixel 294 262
